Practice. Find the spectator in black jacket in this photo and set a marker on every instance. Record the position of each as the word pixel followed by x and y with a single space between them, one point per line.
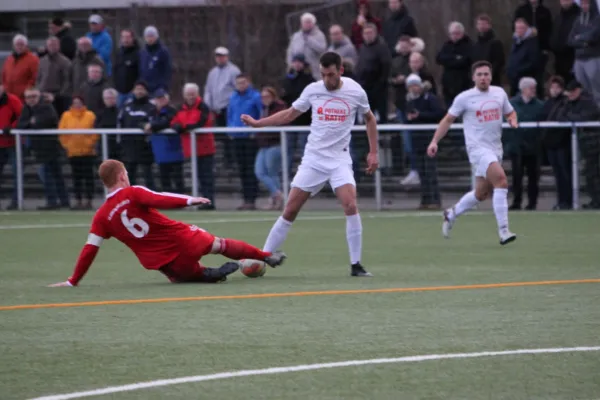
pixel 581 107
pixel 373 70
pixel 38 114
pixel 136 148
pixel 126 69
pixel 93 88
pixel 107 118
pixel 585 38
pixel 62 30
pixel 557 143
pixel 298 77
pixel 424 108
pixel 398 23
pixel 455 57
pixel 524 58
pixel 489 48
pixel 564 55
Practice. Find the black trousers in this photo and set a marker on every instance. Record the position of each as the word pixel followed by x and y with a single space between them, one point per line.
pixel 206 176
pixel 520 163
pixel 245 152
pixel 378 101
pixel 427 168
pixel 82 169
pixel 132 169
pixel 228 151
pixel 171 177
pixel 589 144
pixel 560 160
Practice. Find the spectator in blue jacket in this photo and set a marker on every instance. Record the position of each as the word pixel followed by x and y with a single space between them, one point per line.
pixel 101 41
pixel 155 62
pixel 166 147
pixel 245 100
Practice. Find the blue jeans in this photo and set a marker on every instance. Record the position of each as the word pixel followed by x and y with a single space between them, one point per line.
pixel 122 98
pixel 267 168
pixel 407 142
pixel 54 184
pixel 7 155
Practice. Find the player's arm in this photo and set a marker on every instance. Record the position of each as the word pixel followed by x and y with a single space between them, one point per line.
pixel 373 136
pixel 281 118
pixel 512 120
pixel 87 255
pixel 163 200
pixel 440 132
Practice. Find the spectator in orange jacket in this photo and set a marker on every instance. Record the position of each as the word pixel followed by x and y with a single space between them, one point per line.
pixel 81 150
pixel 10 111
pixel 192 114
pixel 20 68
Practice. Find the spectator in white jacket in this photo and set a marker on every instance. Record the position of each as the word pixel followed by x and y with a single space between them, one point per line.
pixel 341 44
pixel 310 41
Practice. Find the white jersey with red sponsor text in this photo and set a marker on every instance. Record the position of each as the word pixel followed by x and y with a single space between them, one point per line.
pixel 333 115
pixel 482 114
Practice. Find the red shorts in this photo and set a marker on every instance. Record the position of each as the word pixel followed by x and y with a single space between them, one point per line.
pixel 186 267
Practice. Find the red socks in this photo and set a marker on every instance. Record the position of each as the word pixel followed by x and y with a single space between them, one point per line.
pixel 237 250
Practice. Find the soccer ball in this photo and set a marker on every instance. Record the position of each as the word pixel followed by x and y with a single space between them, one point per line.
pixel 253 268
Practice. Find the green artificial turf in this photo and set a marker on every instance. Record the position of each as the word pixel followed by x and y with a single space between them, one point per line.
pixel 62 350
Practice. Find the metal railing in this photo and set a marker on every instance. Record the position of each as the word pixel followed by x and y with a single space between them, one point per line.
pixel 284 131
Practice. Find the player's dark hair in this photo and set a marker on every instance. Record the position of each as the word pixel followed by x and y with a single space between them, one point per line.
pixel 243 76
pixel 480 64
pixel 330 58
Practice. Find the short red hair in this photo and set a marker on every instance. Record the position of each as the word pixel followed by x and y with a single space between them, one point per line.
pixel 109 172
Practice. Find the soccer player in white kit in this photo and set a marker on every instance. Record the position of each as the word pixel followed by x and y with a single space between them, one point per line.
pixel 482 108
pixel 335 103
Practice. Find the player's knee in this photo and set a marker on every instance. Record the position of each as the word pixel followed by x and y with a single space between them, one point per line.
pixel 350 207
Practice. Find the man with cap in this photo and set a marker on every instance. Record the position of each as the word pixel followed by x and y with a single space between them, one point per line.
pixel 101 41
pixel 582 107
pixel 62 30
pixel 166 148
pixel 136 151
pixel 220 84
pixel 155 62
pixel 423 107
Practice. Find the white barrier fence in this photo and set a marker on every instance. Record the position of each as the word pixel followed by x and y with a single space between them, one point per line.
pixel 284 131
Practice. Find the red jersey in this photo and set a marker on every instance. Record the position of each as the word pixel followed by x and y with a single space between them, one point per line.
pixel 130 216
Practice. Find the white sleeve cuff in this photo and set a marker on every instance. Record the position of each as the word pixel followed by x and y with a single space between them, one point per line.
pixel 189 201
pixel 95 240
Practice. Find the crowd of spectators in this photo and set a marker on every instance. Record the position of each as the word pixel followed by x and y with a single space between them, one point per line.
pixel 552 71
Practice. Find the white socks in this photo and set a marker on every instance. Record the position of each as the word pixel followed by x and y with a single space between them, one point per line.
pixel 278 234
pixel 500 202
pixel 354 237
pixel 467 202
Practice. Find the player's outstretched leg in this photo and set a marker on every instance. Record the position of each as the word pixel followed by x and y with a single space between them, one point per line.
pixel 497 177
pixel 238 250
pixel 466 203
pixel 347 196
pixel 282 226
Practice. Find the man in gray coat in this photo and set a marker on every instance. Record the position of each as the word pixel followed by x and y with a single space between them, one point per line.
pixel 54 76
pixel 342 45
pixel 86 55
pixel 310 41
pixel 585 39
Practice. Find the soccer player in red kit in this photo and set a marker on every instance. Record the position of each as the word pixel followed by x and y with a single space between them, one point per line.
pixel 160 243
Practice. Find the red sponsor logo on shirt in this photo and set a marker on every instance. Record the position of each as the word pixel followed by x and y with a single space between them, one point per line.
pixel 490 111
pixel 334 110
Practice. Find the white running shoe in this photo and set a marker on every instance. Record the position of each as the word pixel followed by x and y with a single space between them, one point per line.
pixel 411 179
pixel 506 237
pixel 448 223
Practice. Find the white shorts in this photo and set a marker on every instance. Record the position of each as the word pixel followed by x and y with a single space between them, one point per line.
pixel 481 160
pixel 309 179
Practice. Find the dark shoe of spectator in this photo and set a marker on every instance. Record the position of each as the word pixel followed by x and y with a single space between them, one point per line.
pixel 431 207
pixel 246 207
pixel 49 207
pixel 515 207
pixel 591 206
pixel 206 207
pixel 531 207
pixel 12 207
pixel 78 206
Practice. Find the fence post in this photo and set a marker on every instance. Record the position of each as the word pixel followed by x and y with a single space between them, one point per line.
pixel 378 188
pixel 194 163
pixel 285 173
pixel 575 166
pixel 104 139
pixel 19 171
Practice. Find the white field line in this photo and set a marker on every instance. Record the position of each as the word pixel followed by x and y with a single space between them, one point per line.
pixel 307 367
pixel 240 220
